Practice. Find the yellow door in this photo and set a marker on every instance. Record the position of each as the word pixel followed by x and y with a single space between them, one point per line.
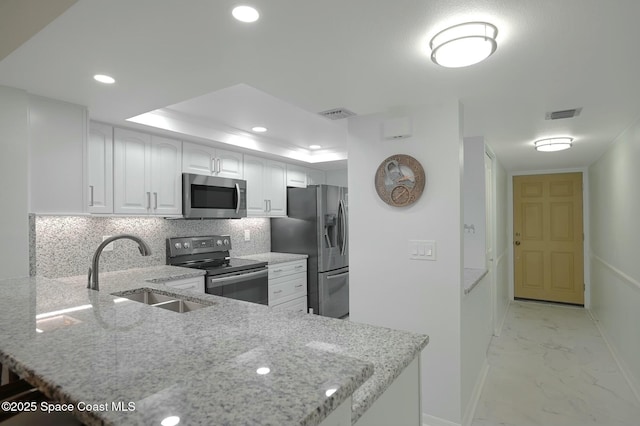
pixel 548 237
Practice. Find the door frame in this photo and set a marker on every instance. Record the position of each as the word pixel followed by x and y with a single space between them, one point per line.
pixel 585 225
pixel 493 238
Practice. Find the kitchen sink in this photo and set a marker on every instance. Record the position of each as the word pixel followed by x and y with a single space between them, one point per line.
pixel 170 302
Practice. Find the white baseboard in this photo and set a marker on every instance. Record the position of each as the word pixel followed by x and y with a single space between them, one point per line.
pixel 428 420
pixel 475 395
pixel 622 366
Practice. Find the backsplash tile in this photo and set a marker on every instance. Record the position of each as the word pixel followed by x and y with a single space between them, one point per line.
pixel 63 245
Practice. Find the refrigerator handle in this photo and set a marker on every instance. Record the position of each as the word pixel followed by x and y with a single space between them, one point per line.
pixel 343 221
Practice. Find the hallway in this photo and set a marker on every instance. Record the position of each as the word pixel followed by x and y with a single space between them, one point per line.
pixel 552 367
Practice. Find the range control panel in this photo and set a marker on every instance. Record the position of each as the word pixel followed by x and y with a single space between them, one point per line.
pixel 192 245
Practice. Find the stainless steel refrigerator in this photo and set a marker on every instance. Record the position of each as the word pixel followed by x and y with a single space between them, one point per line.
pixel 317 225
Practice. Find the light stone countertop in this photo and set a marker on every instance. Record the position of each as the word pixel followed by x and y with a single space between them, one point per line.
pixel 273 258
pixel 202 365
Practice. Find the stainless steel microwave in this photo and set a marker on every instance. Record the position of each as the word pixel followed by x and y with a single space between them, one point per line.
pixel 212 197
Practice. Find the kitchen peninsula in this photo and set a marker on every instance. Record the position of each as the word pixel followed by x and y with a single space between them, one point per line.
pixel 228 363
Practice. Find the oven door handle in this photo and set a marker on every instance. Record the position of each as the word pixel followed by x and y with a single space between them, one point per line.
pixel 218 282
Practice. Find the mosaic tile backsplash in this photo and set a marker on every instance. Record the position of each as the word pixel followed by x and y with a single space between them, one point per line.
pixel 63 246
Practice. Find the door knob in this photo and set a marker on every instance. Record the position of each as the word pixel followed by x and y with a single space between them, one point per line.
pixel 517 243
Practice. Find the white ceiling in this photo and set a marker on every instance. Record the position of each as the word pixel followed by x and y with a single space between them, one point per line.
pixel 367 56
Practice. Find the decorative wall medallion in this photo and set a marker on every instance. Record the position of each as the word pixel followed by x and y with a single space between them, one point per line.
pixel 400 180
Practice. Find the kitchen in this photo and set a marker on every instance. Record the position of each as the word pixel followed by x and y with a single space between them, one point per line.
pixel 423 297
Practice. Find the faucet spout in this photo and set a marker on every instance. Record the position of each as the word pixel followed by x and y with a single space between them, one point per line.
pixel 92 279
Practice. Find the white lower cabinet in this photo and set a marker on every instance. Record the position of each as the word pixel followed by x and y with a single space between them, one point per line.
pixel 288 286
pixel 195 284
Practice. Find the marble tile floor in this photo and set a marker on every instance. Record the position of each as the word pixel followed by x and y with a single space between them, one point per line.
pixel 551 367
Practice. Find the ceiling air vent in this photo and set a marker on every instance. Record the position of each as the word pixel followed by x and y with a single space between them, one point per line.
pixel 337 113
pixel 559 115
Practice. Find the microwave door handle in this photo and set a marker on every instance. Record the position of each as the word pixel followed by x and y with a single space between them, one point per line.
pixel 238 194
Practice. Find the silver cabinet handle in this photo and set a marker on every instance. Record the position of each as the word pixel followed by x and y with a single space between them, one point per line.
pixel 278 270
pixel 155 203
pixel 91 195
pixel 277 292
pixel 269 205
pixel 218 165
pixel 213 166
pixel 238 198
pixel 299 285
pixel 299 266
pixel 266 203
pixel 148 200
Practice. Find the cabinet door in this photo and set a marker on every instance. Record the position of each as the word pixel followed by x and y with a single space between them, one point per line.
pixel 276 188
pixel 254 171
pixel 166 182
pixel 296 176
pixel 198 159
pixel 100 168
pixel 229 164
pixel 131 193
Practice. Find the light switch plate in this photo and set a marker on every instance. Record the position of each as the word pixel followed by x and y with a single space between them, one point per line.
pixel 422 250
pixel 247 235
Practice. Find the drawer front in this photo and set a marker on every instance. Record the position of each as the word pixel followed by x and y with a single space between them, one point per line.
pixel 296 305
pixel 287 288
pixel 193 284
pixel 288 268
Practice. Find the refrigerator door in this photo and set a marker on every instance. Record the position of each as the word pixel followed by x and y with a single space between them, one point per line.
pixel 333 289
pixel 332 227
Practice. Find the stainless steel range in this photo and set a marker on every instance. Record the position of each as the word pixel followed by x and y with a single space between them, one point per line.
pixel 240 279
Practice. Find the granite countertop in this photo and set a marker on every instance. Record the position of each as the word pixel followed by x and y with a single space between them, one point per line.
pixel 472 278
pixel 273 257
pixel 85 347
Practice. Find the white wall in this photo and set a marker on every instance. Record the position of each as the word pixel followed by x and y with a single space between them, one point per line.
pixel 337 177
pixel 388 289
pixel 474 204
pixel 476 331
pixel 615 231
pixel 14 188
pixel 502 246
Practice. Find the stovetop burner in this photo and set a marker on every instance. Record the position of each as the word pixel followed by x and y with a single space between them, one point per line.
pixel 209 253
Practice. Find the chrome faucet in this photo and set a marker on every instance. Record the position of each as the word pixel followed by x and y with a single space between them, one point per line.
pixel 92 279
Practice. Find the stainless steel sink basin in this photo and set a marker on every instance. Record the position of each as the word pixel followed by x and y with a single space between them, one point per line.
pixel 170 302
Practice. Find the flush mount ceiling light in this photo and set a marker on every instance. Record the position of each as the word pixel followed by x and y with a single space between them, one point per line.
pixel 553 144
pixel 245 14
pixel 464 44
pixel 259 129
pixel 102 78
pixel 314 147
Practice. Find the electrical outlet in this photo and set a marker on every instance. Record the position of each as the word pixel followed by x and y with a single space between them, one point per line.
pixel 109 246
pixel 247 235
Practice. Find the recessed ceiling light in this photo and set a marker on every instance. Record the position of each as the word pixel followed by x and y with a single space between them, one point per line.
pixel 259 129
pixel 170 421
pixel 245 14
pixel 314 147
pixel 464 44
pixel 553 144
pixel 263 370
pixel 102 78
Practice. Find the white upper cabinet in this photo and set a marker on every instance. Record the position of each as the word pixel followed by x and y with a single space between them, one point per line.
pixel 296 176
pixel 166 182
pixel 316 177
pixel 146 174
pixel 266 187
pixel 57 137
pixel 100 168
pixel 205 160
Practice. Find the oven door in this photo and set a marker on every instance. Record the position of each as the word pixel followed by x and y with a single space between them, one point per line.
pixel 250 286
pixel 213 197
